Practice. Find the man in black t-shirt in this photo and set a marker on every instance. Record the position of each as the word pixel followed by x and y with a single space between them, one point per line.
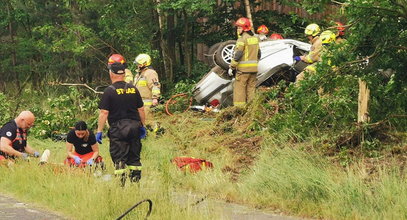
pixel 81 147
pixel 122 106
pixel 13 137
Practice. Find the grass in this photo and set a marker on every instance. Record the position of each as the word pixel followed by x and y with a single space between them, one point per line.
pixel 283 176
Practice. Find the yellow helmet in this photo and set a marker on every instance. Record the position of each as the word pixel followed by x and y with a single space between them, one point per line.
pixel 312 29
pixel 143 60
pixel 328 37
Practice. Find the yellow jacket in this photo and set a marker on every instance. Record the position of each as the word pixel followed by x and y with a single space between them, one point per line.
pixel 315 53
pixel 246 54
pixel 148 85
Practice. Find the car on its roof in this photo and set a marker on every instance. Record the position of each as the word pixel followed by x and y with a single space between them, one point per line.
pixel 276 63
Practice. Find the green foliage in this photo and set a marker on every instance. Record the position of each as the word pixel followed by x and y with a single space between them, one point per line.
pixel 324 101
pixel 63 112
pixel 5 109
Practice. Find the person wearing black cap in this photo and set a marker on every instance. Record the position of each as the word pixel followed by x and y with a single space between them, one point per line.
pixel 122 106
pixel 81 146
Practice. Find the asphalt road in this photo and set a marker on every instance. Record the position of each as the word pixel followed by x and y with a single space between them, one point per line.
pixel 13 209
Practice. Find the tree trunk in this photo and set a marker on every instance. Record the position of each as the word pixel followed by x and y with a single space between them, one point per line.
pixel 187 49
pixel 248 12
pixel 171 35
pixel 164 49
pixel 13 52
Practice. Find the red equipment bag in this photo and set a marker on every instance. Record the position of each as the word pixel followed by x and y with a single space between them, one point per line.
pixel 191 164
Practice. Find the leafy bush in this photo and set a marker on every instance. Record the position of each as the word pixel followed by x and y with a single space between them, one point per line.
pixel 63 112
pixel 5 109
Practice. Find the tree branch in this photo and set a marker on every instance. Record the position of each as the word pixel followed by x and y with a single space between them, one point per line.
pixel 81 84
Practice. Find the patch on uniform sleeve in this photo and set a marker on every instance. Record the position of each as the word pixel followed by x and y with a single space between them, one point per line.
pixel 8 133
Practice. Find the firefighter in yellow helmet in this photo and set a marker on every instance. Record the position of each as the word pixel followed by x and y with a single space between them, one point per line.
pixel 244 63
pixel 146 81
pixel 312 32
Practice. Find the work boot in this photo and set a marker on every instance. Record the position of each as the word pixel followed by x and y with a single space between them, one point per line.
pixel 135 176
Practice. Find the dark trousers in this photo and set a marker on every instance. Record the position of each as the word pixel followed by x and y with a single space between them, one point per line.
pixel 125 144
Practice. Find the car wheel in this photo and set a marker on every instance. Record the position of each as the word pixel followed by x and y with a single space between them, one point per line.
pixel 210 56
pixel 224 54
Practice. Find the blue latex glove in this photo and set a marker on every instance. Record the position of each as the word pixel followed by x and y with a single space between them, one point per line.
pixel 297 58
pixel 36 154
pixel 89 162
pixel 143 132
pixel 77 159
pixel 99 137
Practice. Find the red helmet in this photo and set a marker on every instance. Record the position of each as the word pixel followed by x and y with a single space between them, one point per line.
pixel 341 28
pixel 262 29
pixel 116 58
pixel 116 63
pixel 276 37
pixel 244 23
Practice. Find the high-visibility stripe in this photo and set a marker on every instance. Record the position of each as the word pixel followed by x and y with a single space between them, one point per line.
pixel 252 41
pixel 311 68
pixel 239 103
pixel 247 64
pixel 155 91
pixel 147 102
pixel 142 83
pixel 119 171
pixel 239 43
pixel 134 167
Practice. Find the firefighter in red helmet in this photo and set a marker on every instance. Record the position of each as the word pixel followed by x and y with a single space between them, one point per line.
pixel 121 105
pixel 340 34
pixel 262 32
pixel 245 60
pixel 276 36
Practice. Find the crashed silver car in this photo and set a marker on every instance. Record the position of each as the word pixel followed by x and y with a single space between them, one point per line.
pixel 276 63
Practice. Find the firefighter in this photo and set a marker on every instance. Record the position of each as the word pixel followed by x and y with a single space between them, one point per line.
pixel 327 37
pixel 262 32
pixel 81 146
pixel 245 60
pixel 13 137
pixel 276 37
pixel 147 83
pixel 121 105
pixel 312 32
pixel 340 34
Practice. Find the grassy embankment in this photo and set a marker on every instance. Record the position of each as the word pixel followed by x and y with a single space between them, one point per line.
pixel 264 170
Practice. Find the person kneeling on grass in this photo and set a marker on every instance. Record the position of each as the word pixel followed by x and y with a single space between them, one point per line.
pixel 81 146
pixel 13 138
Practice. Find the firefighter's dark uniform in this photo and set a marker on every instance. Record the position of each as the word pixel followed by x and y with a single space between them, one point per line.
pixel 16 135
pixel 122 100
pixel 245 61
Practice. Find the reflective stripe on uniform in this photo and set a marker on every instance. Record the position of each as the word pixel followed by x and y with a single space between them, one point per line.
pixel 119 171
pixel 156 91
pixel 148 102
pixel 248 63
pixel 239 103
pixel 142 82
pixel 134 167
pixel 308 58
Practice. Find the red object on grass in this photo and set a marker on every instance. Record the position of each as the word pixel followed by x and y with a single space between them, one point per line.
pixel 191 164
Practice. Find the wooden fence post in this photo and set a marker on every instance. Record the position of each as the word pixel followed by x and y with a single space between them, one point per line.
pixel 363 102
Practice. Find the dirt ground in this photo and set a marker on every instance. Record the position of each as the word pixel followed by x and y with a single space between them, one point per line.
pixel 13 209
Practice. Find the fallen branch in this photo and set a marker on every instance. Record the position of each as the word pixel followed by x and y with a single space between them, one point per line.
pixel 81 84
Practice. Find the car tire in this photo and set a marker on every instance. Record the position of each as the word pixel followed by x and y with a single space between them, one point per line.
pixel 224 54
pixel 210 56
